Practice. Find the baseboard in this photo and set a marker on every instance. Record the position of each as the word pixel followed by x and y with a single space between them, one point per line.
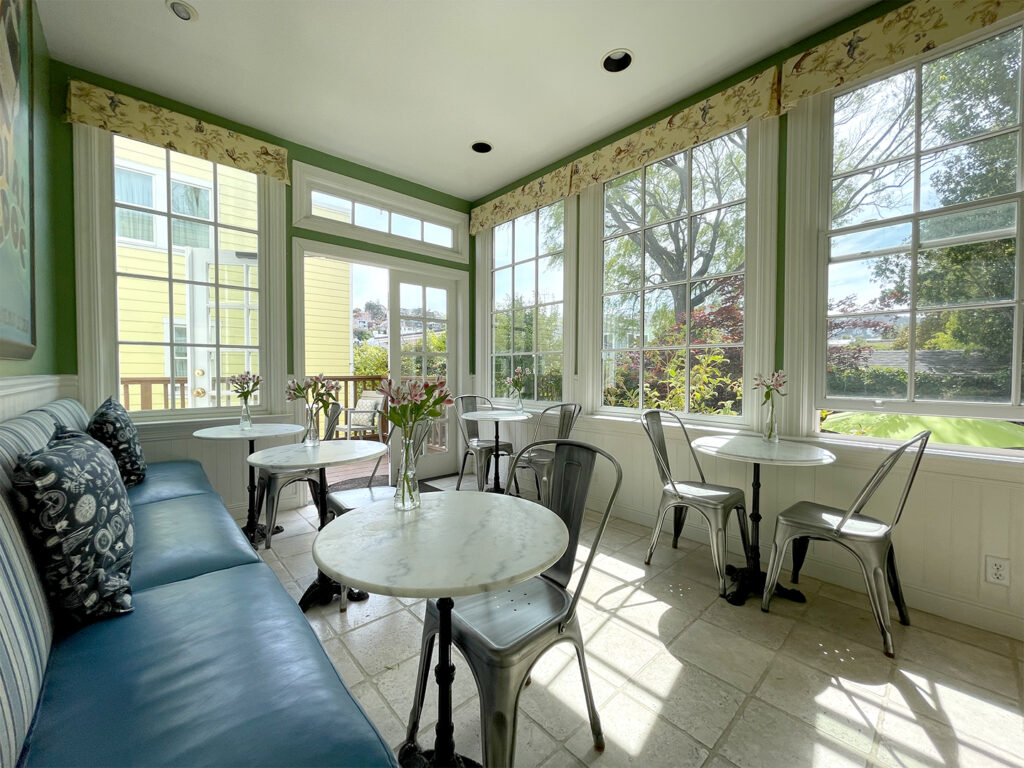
pixel 956 609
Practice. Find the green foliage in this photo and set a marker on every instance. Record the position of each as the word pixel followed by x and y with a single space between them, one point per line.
pixel 368 360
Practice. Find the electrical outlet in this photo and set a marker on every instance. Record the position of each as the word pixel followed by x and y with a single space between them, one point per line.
pixel 997 570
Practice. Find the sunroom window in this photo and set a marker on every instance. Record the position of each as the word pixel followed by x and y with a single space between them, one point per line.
pixel 922 297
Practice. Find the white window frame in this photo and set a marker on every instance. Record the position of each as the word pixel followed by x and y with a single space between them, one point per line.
pixel 808 206
pixel 95 282
pixel 759 284
pixel 307 179
pixel 485 307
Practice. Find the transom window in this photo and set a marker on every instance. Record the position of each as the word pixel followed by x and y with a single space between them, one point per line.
pixel 188 277
pixel 922 295
pixel 380 219
pixel 527 302
pixel 674 264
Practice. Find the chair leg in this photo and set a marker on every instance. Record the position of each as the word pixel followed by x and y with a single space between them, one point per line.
pixel 481 477
pixel 895 588
pixel 536 479
pixel 499 699
pixel 273 494
pixel 716 528
pixel 800 546
pixel 595 720
pixel 741 518
pixel 426 656
pixel 874 576
pixel 774 567
pixel 656 534
pixel 261 495
pixel 462 470
pixel 677 525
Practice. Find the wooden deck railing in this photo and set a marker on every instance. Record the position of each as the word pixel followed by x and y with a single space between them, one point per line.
pixel 146 385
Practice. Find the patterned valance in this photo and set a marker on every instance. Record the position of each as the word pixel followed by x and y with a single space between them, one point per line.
pixel 91 105
pixel 910 30
pixel 753 98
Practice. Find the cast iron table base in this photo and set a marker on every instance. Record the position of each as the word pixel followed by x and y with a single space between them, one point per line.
pixel 750 580
pixel 443 754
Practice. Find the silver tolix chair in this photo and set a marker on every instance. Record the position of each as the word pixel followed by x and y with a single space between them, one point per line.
pixel 503 633
pixel 480 448
pixel 868 539
pixel 714 502
pixel 540 459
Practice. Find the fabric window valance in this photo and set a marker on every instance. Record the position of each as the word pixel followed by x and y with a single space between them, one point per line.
pixel 910 30
pixel 91 105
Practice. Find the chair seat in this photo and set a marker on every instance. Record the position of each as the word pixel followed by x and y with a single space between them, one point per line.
pixel 483 445
pixel 501 622
pixel 819 518
pixel 706 495
pixel 340 502
pixel 539 456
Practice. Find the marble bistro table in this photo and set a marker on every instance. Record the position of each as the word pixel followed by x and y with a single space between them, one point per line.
pixel 497 416
pixel 455 544
pixel 752 449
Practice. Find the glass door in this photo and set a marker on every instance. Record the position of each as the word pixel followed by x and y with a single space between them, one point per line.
pixel 423 334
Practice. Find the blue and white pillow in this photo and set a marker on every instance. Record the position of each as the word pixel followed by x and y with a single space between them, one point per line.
pixel 77 519
pixel 113 427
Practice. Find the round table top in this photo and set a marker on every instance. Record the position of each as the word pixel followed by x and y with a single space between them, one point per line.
pixel 753 450
pixel 496 414
pixel 456 543
pixel 235 432
pixel 328 454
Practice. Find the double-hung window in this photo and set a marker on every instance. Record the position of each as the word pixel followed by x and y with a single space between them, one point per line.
pixel 527 306
pixel 187 277
pixel 673 281
pixel 921 291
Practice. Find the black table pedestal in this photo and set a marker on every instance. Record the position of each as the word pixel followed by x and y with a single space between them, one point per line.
pixel 324 588
pixel 443 755
pixel 254 531
pixel 750 579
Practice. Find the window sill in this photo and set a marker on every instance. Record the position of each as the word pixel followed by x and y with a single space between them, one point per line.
pixel 175 429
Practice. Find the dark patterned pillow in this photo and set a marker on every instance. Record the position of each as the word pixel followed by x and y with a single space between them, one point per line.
pixel 76 516
pixel 113 427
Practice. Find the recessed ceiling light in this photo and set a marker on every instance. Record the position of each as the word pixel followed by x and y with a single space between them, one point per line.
pixel 617 60
pixel 182 10
pixel 482 147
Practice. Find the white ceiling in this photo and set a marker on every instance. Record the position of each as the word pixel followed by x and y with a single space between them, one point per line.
pixel 405 86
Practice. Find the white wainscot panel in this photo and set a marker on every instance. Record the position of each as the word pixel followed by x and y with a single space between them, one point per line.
pixel 23 393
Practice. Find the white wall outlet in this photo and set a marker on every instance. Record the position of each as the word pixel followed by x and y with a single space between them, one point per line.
pixel 997 570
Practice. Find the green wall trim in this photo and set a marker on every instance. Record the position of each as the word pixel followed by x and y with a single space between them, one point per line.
pixel 296 151
pixel 576 306
pixel 869 13
pixel 348 242
pixel 780 244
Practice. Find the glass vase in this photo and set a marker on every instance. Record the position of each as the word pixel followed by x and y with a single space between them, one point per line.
pixel 519 402
pixel 770 425
pixel 245 418
pixel 311 437
pixel 407 492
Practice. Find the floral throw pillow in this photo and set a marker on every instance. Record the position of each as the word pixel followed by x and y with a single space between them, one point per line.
pixel 76 516
pixel 113 427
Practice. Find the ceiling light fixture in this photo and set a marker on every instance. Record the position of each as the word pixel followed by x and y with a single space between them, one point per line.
pixel 482 147
pixel 617 60
pixel 182 10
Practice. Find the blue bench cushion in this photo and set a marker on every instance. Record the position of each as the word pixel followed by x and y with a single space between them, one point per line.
pixel 180 538
pixel 219 670
pixel 169 480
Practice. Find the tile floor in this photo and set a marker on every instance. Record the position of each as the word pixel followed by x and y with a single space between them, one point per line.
pixel 682 678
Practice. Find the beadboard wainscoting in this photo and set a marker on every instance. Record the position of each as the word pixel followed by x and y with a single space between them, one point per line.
pixel 23 393
pixel 961 509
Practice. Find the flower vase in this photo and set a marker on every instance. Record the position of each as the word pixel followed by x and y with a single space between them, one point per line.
pixel 407 492
pixel 770 426
pixel 519 402
pixel 311 437
pixel 245 418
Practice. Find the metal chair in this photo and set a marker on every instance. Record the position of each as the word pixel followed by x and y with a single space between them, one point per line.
pixel 503 633
pixel 481 449
pixel 540 459
pixel 365 419
pixel 868 539
pixel 714 502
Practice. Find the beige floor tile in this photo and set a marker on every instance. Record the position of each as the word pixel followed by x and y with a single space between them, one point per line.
pixel 301 567
pixel 958 659
pixel 299 544
pixel 613 539
pixel 853 663
pixel 385 642
pixel 734 659
pixel 636 736
pixel 282 573
pixel 687 696
pixel 294 589
pixel 697 566
pixel 990 641
pixel 621 566
pixel 616 653
pixel 751 622
pixel 387 723
pixel 343 661
pixel 397 684
pixel 652 617
pixel 563 758
pixel 360 613
pixel 320 625
pixel 604 591
pixel 852 621
pixel 765 737
pixel 555 697
pixel 906 741
pixel 680 592
pixel 846 713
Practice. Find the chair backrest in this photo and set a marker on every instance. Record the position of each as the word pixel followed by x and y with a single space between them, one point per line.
pixel 331 423
pixel 879 475
pixel 652 421
pixel 467 404
pixel 571 473
pixel 568 413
